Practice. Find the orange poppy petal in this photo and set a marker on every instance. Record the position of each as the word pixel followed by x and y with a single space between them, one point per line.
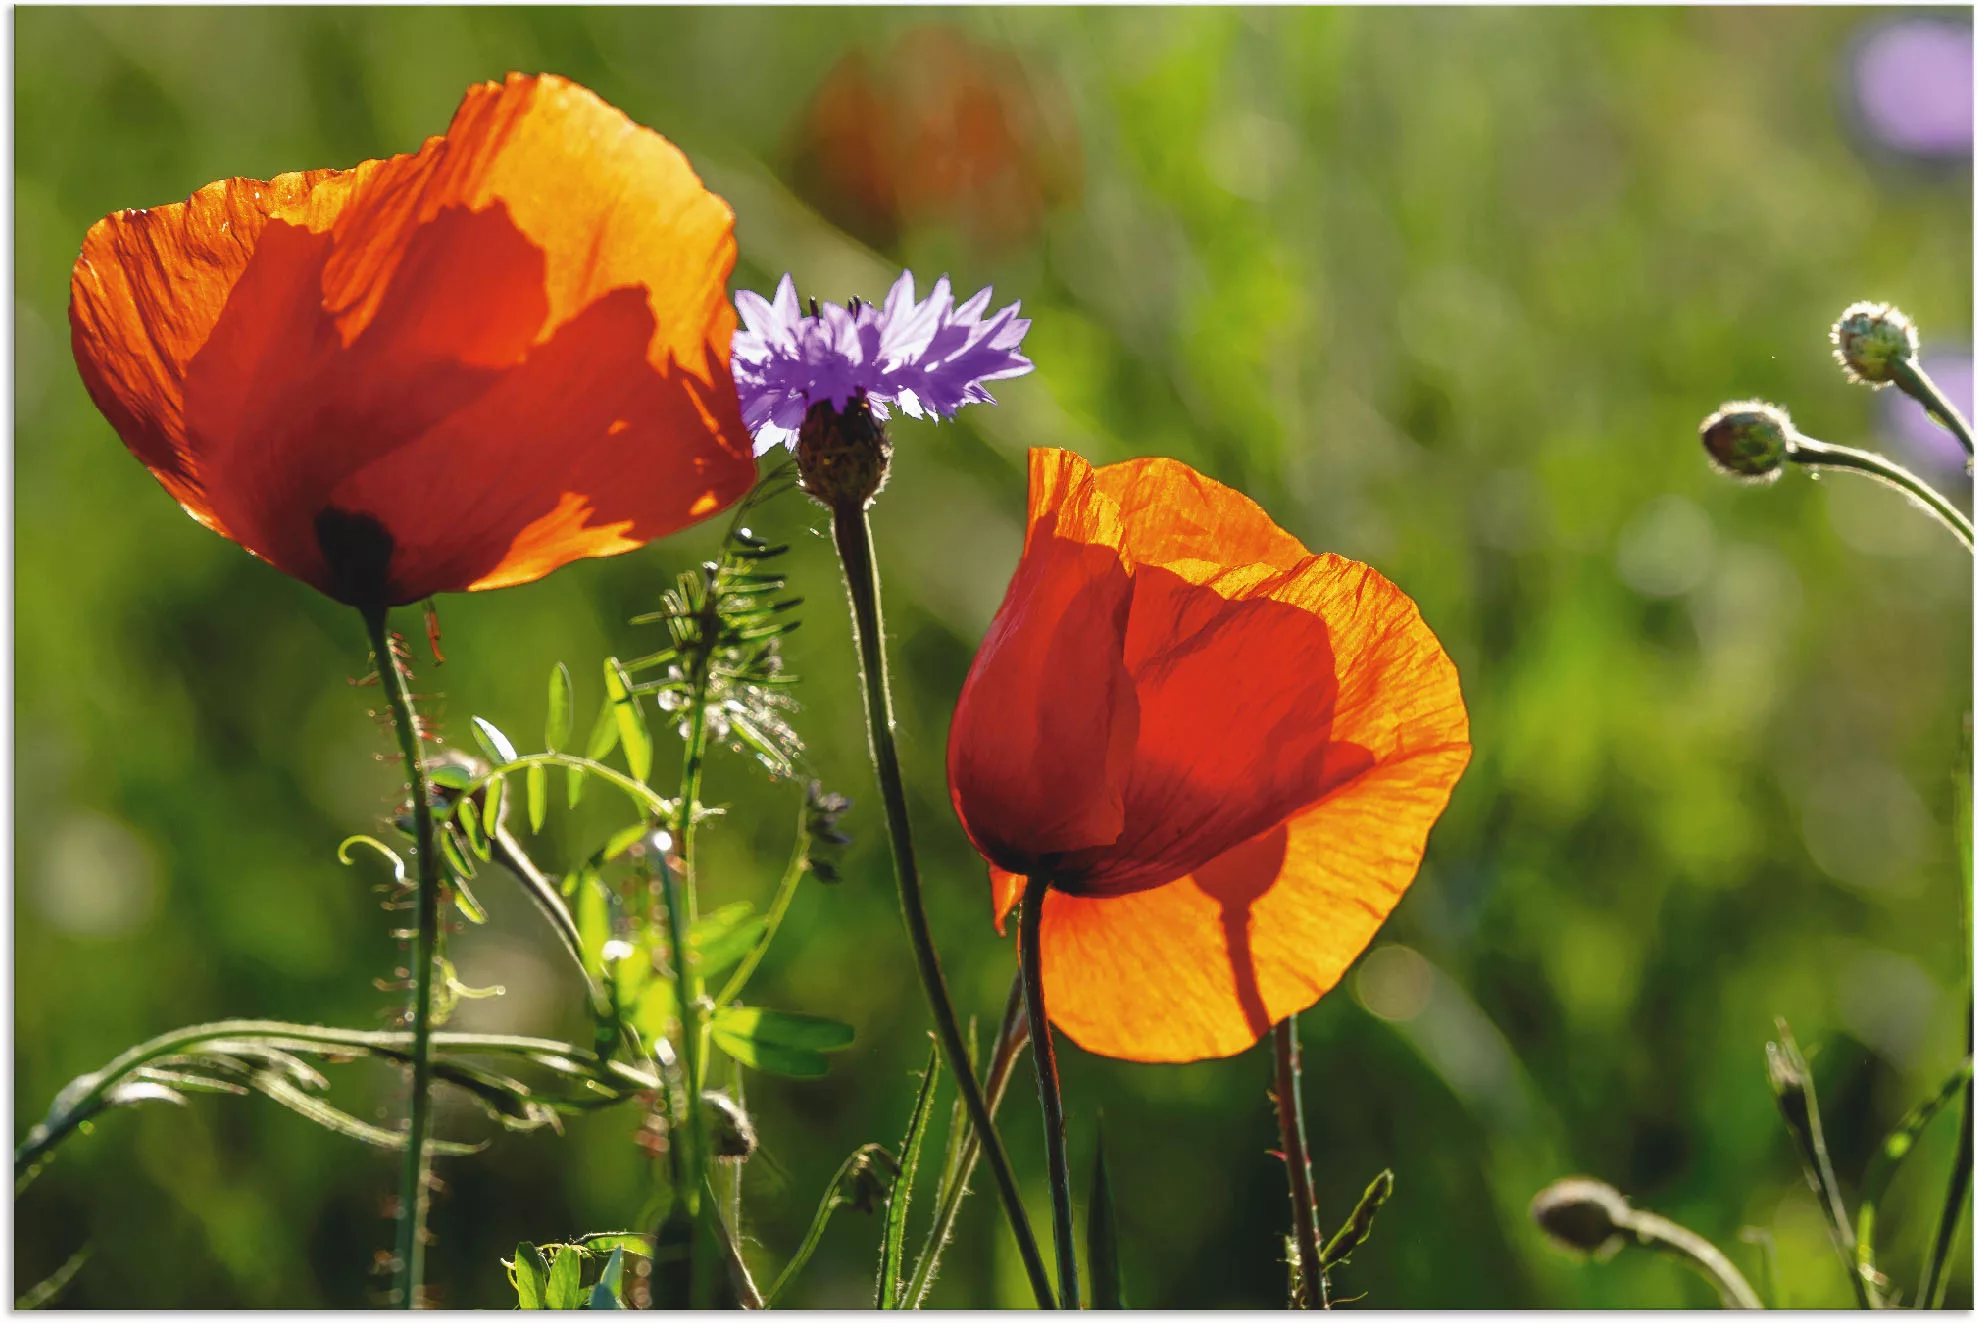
pixel 1203 966
pixel 144 296
pixel 385 348
pixel 1168 512
pixel 1046 723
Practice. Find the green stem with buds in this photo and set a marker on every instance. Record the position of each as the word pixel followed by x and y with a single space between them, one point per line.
pixel 411 1249
pixel 1823 455
pixel 1297 1160
pixel 853 536
pixel 1908 374
pixel 1030 926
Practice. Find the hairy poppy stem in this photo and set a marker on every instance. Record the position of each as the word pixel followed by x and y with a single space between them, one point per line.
pixel 1290 1101
pixel 412 1190
pixel 1818 455
pixel 853 536
pixel 1030 926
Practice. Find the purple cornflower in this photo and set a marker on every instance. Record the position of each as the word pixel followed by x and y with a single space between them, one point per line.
pixel 928 358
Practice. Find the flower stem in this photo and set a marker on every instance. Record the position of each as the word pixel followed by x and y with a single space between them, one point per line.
pixel 412 1189
pixel 1659 1233
pixel 786 891
pixel 1030 926
pixel 1909 376
pixel 1936 1275
pixel 693 1151
pixel 1823 455
pixel 853 536
pixel 1297 1160
pixel 1002 1062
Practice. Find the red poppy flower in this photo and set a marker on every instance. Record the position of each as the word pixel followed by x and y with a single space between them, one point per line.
pixel 453 370
pixel 1224 752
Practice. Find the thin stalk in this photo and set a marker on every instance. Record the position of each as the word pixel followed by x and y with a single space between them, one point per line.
pixel 1297 1160
pixel 1045 1058
pixel 786 891
pixel 83 1097
pixel 412 1186
pixel 691 763
pixel 853 536
pixel 1659 1233
pixel 834 1199
pixel 1823 455
pixel 1010 1039
pixel 1909 376
pixel 738 1267
pixel 1936 1275
pixel 693 1151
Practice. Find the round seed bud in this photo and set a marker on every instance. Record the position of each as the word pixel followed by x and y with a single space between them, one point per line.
pixel 843 455
pixel 1870 339
pixel 1581 1215
pixel 1749 440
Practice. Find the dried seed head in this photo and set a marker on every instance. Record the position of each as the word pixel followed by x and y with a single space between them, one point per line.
pixel 1870 339
pixel 1582 1215
pixel 1749 440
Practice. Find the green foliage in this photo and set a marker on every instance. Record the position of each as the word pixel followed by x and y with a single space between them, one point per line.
pixel 780 1042
pixel 891 1292
pixel 1444 291
pixel 1102 1231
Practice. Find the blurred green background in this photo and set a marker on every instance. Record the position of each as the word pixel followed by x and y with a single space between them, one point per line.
pixel 1446 291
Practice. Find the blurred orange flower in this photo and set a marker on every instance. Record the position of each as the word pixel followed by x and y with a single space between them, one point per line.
pixel 1223 751
pixel 458 369
pixel 939 131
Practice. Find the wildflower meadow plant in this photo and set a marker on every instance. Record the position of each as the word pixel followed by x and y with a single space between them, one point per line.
pixel 1877 346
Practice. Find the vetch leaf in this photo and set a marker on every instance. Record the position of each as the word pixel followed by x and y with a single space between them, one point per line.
pixel 451 775
pixel 794 1062
pixel 605 1294
pixel 493 743
pixel 720 939
pixel 566 1281
pixel 491 808
pixel 562 706
pixel 593 922
pixel 468 819
pixel 604 734
pixel 631 719
pixel 530 1274
pixel 811 1033
pixel 536 780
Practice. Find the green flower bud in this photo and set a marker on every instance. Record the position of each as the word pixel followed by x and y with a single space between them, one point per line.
pixel 1749 440
pixel 1870 339
pixel 1582 1215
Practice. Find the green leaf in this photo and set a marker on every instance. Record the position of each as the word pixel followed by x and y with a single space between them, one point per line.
pixel 720 939
pixel 468 819
pixel 631 719
pixel 1102 1232
pixel 493 743
pixel 450 847
pixel 794 1062
pixel 658 1008
pixel 620 841
pixel 451 775
pixel 530 1274
pixel 632 1242
pixel 566 1281
pixel 605 1294
pixel 574 785
pixel 892 1246
pixel 593 922
pixel 536 781
pixel 465 900
pixel 1888 1156
pixel 491 808
pixel 604 734
pixel 812 1033
pixel 556 729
